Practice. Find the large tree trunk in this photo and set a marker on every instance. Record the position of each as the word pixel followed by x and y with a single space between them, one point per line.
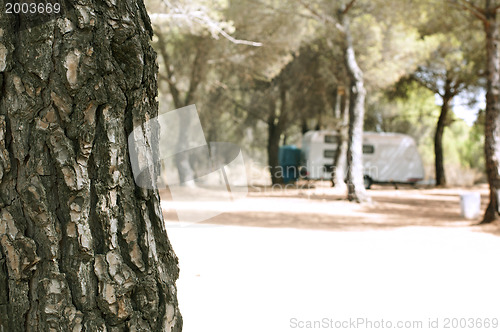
pixel 355 184
pixel 438 140
pixel 82 248
pixel 340 161
pixel 492 116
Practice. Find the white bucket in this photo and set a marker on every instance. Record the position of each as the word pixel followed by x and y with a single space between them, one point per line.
pixel 470 205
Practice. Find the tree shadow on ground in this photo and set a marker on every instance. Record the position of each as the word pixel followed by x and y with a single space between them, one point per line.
pixel 326 209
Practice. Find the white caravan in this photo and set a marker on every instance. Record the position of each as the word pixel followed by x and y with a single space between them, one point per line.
pixel 387 157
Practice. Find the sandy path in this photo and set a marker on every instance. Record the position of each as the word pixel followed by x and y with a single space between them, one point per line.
pixel 324 208
pixel 310 258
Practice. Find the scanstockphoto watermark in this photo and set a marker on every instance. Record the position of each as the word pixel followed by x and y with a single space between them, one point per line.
pixel 463 323
pixel 354 323
pixel 170 151
pixel 294 173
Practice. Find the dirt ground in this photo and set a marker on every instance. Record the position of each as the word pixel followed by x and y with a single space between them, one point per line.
pixel 278 259
pixel 325 208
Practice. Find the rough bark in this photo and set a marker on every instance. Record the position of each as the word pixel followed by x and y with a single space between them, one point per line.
pixel 492 114
pixel 82 248
pixel 355 184
pixel 340 159
pixel 438 137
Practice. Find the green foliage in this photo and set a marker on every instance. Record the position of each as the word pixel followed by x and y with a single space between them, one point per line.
pixel 412 111
pixel 454 139
pixel 464 153
pixel 472 148
pixel 388 51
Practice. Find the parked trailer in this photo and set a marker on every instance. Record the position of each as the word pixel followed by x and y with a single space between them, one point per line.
pixel 387 157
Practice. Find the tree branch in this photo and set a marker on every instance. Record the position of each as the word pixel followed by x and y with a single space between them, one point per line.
pixel 287 12
pixel 236 103
pixel 426 85
pixel 323 18
pixel 346 9
pixel 204 19
pixel 473 9
pixel 457 87
pixel 473 6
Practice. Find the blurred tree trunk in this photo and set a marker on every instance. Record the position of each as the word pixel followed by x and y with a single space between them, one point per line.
pixel 82 248
pixel 492 116
pixel 182 162
pixel 304 128
pixel 340 159
pixel 355 184
pixel 333 98
pixel 197 74
pixel 276 126
pixel 272 154
pixel 438 136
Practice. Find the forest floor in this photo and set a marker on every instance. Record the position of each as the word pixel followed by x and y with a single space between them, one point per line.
pixel 280 259
pixel 324 208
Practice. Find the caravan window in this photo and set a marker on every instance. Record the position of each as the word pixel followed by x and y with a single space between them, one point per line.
pixel 368 149
pixel 329 153
pixel 331 139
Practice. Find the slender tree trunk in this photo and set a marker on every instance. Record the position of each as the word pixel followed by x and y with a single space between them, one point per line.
pixel 340 159
pixel 198 70
pixel 273 144
pixel 319 123
pixel 82 248
pixel 438 141
pixel 333 97
pixel 355 184
pixel 304 128
pixel 182 162
pixel 492 116
pixel 276 125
